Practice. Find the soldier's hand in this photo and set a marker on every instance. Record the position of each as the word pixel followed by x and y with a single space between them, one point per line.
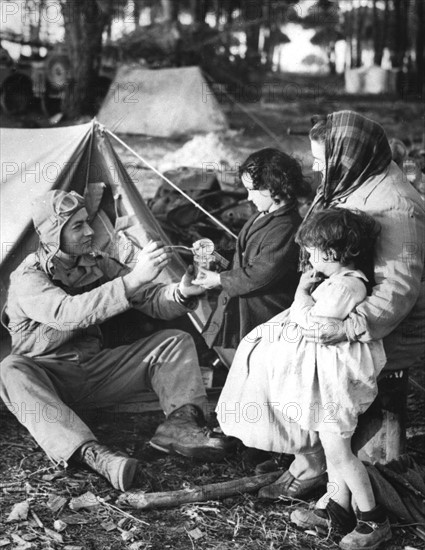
pixel 148 265
pixel 187 286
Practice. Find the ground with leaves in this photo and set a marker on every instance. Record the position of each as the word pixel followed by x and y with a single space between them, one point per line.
pixel 50 517
pixel 55 520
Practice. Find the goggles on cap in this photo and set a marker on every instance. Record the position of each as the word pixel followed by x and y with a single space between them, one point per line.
pixel 69 203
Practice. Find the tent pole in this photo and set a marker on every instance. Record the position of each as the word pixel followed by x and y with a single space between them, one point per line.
pixel 215 220
pixel 94 122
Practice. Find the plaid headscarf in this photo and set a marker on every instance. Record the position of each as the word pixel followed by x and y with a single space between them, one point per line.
pixel 356 149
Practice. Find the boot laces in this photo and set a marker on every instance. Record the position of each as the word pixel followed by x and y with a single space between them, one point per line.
pixel 191 412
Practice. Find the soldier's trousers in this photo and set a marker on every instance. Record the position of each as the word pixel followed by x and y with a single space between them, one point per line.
pixel 46 395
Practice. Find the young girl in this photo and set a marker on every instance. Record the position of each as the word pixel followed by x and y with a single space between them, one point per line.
pixel 323 389
pixel 263 276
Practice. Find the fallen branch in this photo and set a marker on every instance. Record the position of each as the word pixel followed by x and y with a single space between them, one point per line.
pixel 213 491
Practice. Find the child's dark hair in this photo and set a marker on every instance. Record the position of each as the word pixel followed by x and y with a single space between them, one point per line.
pixel 278 172
pixel 345 236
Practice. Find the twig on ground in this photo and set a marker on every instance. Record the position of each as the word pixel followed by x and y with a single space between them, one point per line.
pixel 7 484
pixel 190 538
pixel 116 509
pixel 36 519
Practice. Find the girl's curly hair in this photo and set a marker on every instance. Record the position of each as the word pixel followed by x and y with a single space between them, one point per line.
pixel 345 236
pixel 278 172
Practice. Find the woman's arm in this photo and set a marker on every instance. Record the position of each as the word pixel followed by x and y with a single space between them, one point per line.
pixel 399 266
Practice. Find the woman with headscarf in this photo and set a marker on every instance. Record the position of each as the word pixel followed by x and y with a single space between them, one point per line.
pixel 354 157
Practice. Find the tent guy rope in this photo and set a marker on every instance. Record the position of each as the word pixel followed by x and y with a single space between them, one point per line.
pixel 173 185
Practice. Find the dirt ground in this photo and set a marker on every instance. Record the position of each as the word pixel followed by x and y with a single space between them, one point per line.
pixel 239 522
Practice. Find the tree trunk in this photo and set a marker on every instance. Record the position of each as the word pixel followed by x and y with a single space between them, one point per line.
pixel 229 13
pixel 270 39
pixel 419 47
pixel 348 61
pixel 359 25
pixel 253 15
pixel 377 37
pixel 40 17
pixel 400 33
pixel 175 10
pixel 166 10
pixel 331 55
pixel 84 25
pixel 170 10
pixel 32 17
pixel 385 26
pixel 136 13
pixel 279 60
pixel 199 10
pixel 219 20
pixel 271 46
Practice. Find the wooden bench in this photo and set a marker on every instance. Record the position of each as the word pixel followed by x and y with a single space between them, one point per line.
pixel 381 432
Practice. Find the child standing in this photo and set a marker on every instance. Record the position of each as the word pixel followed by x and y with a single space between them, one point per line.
pixel 341 383
pixel 322 388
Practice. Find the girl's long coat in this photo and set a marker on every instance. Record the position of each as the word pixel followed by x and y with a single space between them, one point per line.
pixel 263 278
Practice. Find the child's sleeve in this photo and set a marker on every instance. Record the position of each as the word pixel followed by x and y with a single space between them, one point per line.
pixel 335 300
pixel 300 311
pixel 339 299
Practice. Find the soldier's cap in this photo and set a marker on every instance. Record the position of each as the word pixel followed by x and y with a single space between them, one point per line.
pixel 50 212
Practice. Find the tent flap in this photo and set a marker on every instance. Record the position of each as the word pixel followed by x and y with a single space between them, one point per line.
pixel 35 161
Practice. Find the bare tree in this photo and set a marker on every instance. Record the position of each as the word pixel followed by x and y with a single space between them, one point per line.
pixel 400 38
pixel 378 45
pixel 85 21
pixel 420 47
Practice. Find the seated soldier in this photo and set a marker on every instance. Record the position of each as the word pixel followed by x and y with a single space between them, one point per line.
pixel 57 298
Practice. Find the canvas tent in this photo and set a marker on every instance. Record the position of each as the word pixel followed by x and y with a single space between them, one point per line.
pixel 163 102
pixel 80 158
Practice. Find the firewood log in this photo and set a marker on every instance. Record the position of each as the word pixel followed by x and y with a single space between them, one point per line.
pixel 212 491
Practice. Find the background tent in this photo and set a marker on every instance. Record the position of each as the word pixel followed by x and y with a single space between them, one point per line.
pixel 80 158
pixel 163 102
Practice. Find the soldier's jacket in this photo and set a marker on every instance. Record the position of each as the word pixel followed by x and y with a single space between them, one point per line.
pixel 57 316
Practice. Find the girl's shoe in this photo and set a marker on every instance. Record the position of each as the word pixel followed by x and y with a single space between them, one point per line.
pixel 368 535
pixel 373 528
pixel 290 487
pixel 333 516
